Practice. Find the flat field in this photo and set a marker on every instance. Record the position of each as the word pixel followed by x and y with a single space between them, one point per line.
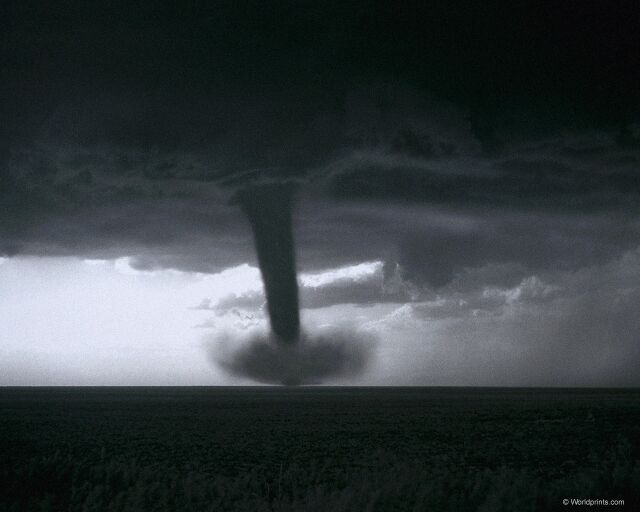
pixel 317 449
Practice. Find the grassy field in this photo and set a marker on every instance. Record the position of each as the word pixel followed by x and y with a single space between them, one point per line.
pixel 316 449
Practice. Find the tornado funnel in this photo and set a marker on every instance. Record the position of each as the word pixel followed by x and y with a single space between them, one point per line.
pixel 268 208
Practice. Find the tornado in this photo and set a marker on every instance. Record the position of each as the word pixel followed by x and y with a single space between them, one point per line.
pixel 269 210
pixel 285 356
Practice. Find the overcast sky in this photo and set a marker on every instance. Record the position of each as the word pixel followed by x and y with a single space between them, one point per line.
pixel 464 185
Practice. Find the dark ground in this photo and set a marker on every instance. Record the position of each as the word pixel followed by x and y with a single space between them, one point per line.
pixel 337 449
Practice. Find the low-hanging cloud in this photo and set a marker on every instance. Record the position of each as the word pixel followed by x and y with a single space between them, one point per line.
pixel 326 356
pixel 582 330
pixel 381 283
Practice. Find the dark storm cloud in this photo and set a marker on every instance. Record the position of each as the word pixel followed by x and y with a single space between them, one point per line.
pixel 184 229
pixel 155 206
pixel 265 86
pixel 552 174
pixel 127 135
pixel 436 244
pixel 434 255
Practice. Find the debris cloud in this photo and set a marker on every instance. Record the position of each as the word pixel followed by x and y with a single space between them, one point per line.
pixel 328 355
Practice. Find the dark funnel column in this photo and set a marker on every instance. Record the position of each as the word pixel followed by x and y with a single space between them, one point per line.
pixel 268 208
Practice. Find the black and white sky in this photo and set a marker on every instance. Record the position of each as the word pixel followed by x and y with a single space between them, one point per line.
pixel 463 181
